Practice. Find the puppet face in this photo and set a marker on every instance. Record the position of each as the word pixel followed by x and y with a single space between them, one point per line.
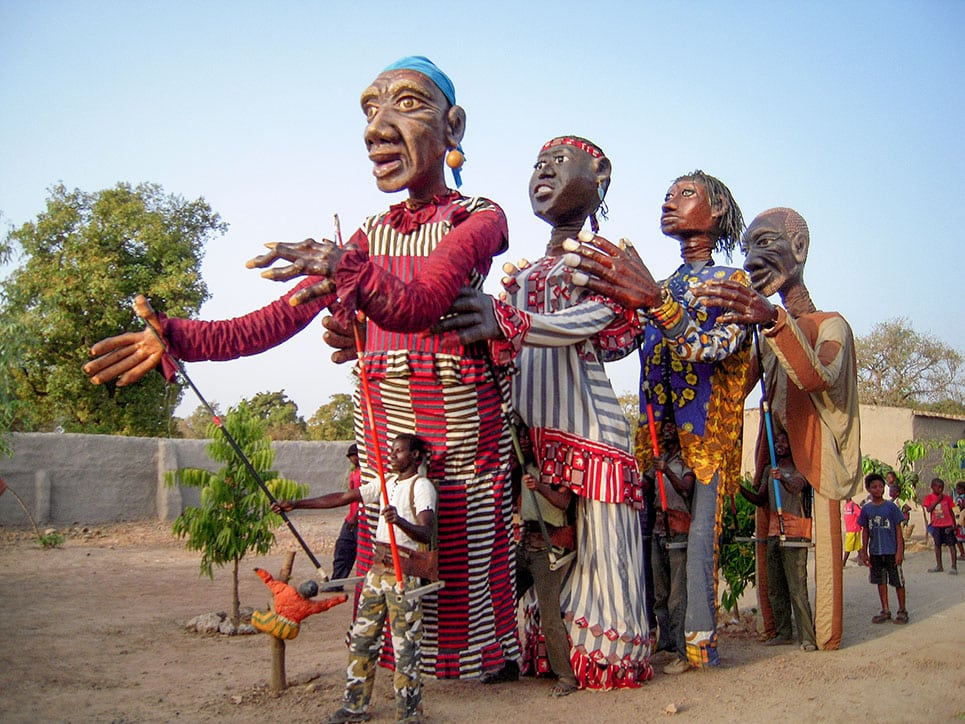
pixel 407 132
pixel 563 187
pixel 687 212
pixel 772 258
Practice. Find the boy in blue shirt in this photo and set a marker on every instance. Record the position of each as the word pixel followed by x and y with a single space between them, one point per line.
pixel 883 547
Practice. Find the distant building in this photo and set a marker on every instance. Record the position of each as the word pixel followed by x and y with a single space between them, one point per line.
pixel 884 431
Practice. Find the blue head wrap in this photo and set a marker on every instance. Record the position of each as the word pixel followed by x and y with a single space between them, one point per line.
pixel 430 70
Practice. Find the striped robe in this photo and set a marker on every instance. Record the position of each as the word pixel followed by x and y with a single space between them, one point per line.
pixel 403 269
pixel 434 387
pixel 811 377
pixel 562 334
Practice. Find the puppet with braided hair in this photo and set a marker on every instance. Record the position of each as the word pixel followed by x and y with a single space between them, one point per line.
pixel 694 364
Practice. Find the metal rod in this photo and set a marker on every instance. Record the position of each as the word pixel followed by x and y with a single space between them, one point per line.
pixel 769 428
pixel 216 419
pixel 506 408
pixel 655 446
pixel 379 466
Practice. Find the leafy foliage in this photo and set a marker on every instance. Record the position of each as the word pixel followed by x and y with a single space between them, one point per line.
pixel 83 260
pixel 913 455
pixel 906 482
pixel 333 420
pixel 630 403
pixel 900 367
pixel 280 414
pixel 51 540
pixel 10 351
pixel 195 425
pixel 234 517
pixel 912 465
pixel 736 560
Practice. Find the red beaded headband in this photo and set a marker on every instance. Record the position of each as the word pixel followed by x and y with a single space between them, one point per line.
pixel 576 143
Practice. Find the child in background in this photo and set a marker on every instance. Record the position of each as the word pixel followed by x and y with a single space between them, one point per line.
pixel 941 507
pixel 894 487
pixel 852 531
pixel 960 521
pixel 908 528
pixel 882 547
pixel 533 567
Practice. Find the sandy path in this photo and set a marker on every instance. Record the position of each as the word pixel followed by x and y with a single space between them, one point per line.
pixel 94 631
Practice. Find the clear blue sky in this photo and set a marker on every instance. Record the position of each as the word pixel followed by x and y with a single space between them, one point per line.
pixel 851 113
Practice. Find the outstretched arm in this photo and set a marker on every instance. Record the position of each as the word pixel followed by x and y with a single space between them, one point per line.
pixel 627 279
pixel 614 271
pixel 308 258
pixel 415 305
pixel 330 500
pixel 743 305
pixel 128 357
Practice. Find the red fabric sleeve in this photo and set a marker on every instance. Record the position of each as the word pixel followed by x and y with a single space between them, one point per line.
pixel 413 306
pixel 194 340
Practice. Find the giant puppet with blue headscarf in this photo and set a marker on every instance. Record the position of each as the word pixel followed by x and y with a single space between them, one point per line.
pixel 402 269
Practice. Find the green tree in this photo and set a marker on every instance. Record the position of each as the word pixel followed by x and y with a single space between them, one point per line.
pixel 900 367
pixel 737 548
pixel 11 340
pixel 83 260
pixel 234 517
pixel 630 402
pixel 195 425
pixel 913 462
pixel 280 414
pixel 333 420
pixel 10 351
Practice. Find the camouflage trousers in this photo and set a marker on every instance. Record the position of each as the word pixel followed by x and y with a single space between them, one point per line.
pixel 379 597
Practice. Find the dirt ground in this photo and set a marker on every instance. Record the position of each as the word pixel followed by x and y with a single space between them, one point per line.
pixel 95 631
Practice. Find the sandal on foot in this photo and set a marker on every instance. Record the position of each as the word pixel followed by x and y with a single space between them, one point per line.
pixel 936 569
pixel 677 666
pixel 901 617
pixel 882 617
pixel 953 571
pixel 561 689
pixel 808 646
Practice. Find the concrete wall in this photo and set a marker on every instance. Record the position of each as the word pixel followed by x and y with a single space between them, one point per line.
pixel 88 479
pixel 66 479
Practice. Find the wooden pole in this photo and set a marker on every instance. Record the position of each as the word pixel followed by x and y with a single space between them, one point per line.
pixel 279 682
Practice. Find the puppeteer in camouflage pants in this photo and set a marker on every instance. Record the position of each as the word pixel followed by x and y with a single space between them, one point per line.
pixel 380 596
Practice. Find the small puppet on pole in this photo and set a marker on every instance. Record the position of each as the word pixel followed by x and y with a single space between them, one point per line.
pixel 291 606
